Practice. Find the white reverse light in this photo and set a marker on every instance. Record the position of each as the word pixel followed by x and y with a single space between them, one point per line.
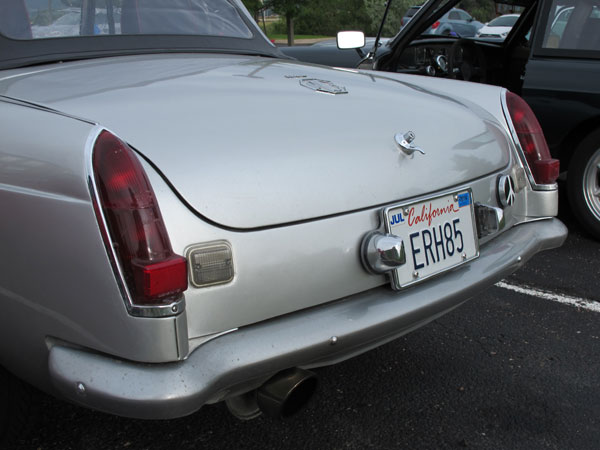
pixel 210 264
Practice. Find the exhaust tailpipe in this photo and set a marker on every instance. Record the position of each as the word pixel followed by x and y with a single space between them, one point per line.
pixel 286 393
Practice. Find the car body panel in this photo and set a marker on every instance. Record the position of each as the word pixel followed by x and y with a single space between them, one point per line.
pixel 232 363
pixel 561 105
pixel 188 87
pixel 335 273
pixel 45 186
pixel 293 166
pixel 550 57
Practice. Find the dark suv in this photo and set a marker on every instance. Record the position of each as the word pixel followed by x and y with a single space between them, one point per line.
pixel 551 57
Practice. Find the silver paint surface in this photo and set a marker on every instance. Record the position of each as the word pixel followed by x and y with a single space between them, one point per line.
pixel 243 359
pixel 241 141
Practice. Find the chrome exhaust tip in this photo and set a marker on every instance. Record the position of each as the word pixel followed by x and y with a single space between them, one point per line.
pixel 286 393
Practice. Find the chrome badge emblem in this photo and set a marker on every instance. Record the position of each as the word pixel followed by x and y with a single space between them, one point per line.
pixel 506 190
pixel 324 86
pixel 404 143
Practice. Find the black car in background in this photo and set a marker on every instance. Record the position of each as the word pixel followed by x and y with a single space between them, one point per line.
pixel 551 58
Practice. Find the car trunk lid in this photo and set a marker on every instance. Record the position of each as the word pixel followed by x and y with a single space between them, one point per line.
pixel 253 142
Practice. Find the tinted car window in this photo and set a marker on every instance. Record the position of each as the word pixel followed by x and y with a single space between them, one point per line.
pixel 573 27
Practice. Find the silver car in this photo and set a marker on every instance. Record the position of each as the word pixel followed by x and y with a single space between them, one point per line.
pixel 191 218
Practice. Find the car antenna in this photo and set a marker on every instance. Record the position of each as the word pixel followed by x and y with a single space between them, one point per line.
pixel 371 55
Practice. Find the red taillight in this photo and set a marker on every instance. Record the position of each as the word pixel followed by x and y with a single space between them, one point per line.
pixel 543 167
pixel 154 274
pixel 435 25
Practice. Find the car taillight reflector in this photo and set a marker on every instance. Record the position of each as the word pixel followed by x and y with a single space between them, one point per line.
pixel 153 280
pixel 435 25
pixel 543 167
pixel 154 274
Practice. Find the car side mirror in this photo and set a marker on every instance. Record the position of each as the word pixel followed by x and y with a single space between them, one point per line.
pixel 350 39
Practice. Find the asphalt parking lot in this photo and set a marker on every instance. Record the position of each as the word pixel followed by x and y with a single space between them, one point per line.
pixel 517 368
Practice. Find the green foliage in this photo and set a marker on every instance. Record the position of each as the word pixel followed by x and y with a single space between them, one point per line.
pixel 278 27
pixel 482 10
pixel 253 6
pixel 376 9
pixel 288 8
pixel 327 17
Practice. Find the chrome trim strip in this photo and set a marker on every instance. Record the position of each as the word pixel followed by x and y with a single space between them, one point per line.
pixel 173 309
pixel 29 104
pixel 520 151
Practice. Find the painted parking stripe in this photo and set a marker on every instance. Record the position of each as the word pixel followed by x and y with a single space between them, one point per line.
pixel 583 303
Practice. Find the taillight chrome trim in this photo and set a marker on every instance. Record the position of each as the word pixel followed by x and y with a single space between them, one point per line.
pixel 151 311
pixel 521 152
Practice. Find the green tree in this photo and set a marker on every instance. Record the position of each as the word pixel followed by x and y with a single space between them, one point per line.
pixel 290 10
pixel 254 7
pixel 327 17
pixel 393 23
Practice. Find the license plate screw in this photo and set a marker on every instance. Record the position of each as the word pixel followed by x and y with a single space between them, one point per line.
pixel 406 211
pixel 455 197
pixel 415 274
pixel 464 256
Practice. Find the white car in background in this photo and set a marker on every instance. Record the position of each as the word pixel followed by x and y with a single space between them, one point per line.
pixel 498 28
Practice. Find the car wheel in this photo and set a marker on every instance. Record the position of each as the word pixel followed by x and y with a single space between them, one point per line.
pixel 17 408
pixel 583 183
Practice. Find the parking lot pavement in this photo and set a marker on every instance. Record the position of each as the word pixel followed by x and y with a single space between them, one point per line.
pixel 507 370
pixel 573 269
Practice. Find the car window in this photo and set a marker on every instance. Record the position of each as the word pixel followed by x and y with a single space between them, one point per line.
pixel 43 19
pixel 503 21
pixel 573 25
pixel 463 15
pixel 454 15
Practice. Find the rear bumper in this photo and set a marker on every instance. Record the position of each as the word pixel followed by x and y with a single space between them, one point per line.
pixel 247 357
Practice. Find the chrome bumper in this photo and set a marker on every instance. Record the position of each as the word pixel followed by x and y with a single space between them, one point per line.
pixel 315 337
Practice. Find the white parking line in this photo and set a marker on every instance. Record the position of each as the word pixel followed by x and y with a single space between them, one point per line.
pixel 583 303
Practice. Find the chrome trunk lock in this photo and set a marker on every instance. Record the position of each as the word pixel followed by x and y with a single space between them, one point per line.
pixel 382 253
pixel 404 142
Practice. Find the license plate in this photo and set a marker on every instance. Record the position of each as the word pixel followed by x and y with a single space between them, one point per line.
pixel 439 234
